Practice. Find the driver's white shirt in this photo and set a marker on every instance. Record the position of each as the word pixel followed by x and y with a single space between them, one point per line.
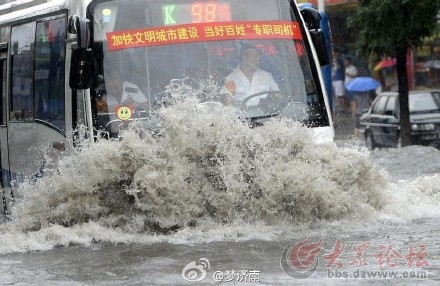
pixel 261 81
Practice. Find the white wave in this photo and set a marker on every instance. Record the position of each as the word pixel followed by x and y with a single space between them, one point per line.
pixel 206 177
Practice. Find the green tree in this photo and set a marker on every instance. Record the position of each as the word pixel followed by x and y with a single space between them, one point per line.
pixel 391 27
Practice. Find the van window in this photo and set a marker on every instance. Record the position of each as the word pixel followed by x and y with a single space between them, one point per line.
pixel 379 107
pixel 390 106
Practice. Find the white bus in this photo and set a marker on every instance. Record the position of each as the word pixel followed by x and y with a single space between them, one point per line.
pixel 57 58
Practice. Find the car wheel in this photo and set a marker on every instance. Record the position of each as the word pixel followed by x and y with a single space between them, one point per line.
pixel 371 143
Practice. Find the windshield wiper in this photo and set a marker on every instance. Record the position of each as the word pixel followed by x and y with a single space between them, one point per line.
pixel 262 116
pixel 255 120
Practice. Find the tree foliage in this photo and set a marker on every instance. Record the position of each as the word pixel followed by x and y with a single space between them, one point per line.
pixel 391 27
pixel 387 25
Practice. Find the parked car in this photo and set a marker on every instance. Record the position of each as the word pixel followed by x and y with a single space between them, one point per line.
pixel 381 123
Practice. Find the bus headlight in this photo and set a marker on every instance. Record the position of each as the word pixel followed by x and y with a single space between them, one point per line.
pixel 423 127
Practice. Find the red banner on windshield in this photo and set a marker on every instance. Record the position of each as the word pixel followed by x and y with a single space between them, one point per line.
pixel 188 33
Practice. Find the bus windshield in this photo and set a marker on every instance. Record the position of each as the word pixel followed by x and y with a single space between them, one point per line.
pixel 252 54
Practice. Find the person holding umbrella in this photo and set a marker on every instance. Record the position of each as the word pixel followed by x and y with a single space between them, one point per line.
pixel 360 88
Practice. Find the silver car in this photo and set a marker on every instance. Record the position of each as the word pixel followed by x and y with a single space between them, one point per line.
pixel 381 123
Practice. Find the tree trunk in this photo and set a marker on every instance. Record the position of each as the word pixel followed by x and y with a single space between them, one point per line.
pixel 402 79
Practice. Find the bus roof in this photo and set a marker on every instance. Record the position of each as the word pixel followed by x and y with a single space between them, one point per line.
pixel 22 9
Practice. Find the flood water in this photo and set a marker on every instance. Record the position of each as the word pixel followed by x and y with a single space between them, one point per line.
pixel 210 201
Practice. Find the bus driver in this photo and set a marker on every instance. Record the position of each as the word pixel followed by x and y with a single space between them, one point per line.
pixel 248 78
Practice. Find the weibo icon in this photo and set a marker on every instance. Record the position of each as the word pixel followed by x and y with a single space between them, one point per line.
pixel 300 260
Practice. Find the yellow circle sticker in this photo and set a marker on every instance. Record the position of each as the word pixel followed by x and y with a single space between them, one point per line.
pixel 106 12
pixel 124 112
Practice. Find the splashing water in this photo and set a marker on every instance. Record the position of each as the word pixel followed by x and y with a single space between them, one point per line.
pixel 204 165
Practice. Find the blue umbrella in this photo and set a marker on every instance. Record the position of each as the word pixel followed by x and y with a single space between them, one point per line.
pixel 362 83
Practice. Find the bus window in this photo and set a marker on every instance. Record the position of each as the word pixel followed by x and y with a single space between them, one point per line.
pixel 257 10
pixel 179 47
pixel 22 38
pixel 49 72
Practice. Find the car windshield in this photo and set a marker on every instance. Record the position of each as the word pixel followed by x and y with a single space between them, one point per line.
pixel 425 102
pixel 155 53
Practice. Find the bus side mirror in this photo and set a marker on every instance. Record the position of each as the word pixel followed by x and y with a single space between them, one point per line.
pixel 318 40
pixel 312 18
pixel 80 69
pixel 80 27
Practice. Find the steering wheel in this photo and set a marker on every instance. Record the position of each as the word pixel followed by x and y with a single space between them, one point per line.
pixel 270 93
